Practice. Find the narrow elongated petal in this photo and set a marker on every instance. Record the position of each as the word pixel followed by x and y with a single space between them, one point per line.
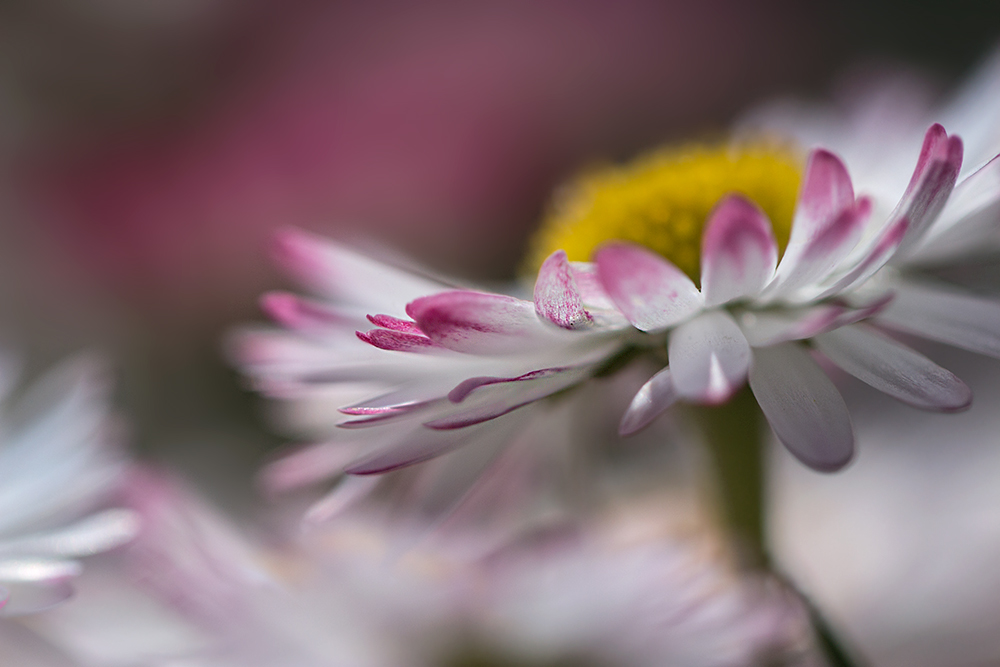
pixel 770 327
pixel 479 322
pixel 650 291
pixel 93 534
pixel 652 399
pixel 931 184
pixel 738 251
pixel 341 274
pixel 490 400
pixel 805 410
pixel 307 465
pixel 894 368
pixel 945 314
pixel 557 298
pixel 709 358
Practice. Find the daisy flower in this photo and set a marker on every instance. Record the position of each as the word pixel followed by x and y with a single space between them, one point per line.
pixel 729 263
pixel 58 465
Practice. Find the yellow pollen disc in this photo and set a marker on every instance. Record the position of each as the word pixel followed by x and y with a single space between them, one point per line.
pixel 662 200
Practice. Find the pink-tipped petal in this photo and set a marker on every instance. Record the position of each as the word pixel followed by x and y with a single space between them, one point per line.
pixel 805 410
pixel 652 399
pixel 826 191
pixel 709 358
pixel 930 186
pixel 945 314
pixel 894 369
pixel 557 298
pixel 396 341
pixel 479 323
pixel 738 251
pixel 650 291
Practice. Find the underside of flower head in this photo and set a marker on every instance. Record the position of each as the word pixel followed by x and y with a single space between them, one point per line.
pixel 441 364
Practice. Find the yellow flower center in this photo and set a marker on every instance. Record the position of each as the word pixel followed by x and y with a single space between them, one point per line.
pixel 662 200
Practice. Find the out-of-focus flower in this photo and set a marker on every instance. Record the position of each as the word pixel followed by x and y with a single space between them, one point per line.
pixel 443 362
pixel 58 463
pixel 616 586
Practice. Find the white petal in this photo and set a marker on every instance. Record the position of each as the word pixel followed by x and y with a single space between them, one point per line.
pixel 649 402
pixel 709 357
pixel 805 410
pixel 894 369
pixel 945 314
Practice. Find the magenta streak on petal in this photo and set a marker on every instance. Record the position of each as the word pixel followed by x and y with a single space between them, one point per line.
pixel 396 341
pixel 650 291
pixel 738 251
pixel 934 139
pixel 395 324
pixel 556 296
pixel 466 387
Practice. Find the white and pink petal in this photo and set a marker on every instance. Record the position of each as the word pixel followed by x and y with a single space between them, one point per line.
pixel 709 358
pixel 738 251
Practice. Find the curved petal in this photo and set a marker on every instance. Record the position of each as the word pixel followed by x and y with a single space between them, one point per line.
pixel 493 397
pixel 652 399
pixel 738 251
pixel 770 327
pixel 945 314
pixel 556 296
pixel 894 369
pixel 479 322
pixel 805 410
pixel 709 358
pixel 650 291
pixel 932 182
pixel 826 192
pixel 397 341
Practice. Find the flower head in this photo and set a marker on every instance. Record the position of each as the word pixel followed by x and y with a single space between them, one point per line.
pixel 442 362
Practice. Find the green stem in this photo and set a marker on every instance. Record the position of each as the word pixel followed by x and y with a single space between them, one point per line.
pixel 734 432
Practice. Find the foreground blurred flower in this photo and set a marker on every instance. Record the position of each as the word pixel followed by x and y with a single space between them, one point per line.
pixel 442 362
pixel 616 587
pixel 58 462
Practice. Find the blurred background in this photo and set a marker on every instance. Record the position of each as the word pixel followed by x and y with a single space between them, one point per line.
pixel 148 148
